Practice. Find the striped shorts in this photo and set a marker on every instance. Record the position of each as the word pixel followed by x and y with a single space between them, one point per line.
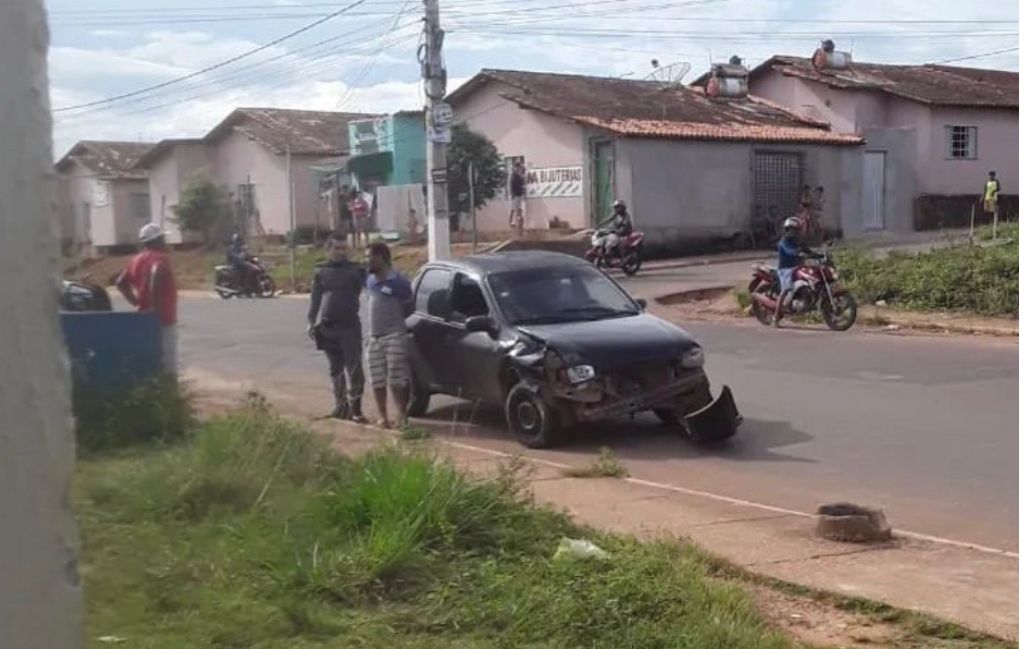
pixel 387 361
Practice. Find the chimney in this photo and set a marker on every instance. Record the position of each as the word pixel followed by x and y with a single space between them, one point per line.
pixel 727 80
pixel 826 58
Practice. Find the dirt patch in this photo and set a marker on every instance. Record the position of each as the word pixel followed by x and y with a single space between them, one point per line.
pixel 821 624
pixel 193 268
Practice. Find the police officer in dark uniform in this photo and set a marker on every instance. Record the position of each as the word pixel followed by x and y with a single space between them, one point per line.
pixel 334 323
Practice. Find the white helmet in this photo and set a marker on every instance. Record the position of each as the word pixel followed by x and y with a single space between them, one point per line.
pixel 791 223
pixel 150 232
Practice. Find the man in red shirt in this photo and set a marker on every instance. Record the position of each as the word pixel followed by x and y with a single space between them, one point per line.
pixel 149 285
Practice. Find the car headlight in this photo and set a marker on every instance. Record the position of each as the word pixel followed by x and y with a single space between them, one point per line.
pixel 580 374
pixel 693 358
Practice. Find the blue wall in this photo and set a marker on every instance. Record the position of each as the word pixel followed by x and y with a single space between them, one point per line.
pixel 408 149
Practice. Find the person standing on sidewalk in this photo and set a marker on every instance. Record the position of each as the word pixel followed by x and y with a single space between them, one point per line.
pixel 149 285
pixel 334 323
pixel 516 188
pixel 390 301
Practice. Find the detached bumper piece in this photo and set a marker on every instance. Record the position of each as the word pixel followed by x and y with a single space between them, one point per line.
pixel 717 421
pixel 646 401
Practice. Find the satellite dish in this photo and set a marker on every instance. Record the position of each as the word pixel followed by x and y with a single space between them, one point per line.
pixel 668 75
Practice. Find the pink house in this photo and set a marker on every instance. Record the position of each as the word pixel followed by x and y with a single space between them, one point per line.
pixel 932 132
pixel 248 153
pixel 102 197
pixel 692 167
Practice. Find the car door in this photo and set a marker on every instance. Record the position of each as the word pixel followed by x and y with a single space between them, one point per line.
pixel 476 354
pixel 432 332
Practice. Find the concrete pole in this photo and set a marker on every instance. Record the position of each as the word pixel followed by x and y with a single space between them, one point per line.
pixel 292 217
pixel 471 205
pixel 434 76
pixel 40 595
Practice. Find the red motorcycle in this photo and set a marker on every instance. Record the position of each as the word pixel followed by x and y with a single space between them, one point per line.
pixel 629 255
pixel 815 287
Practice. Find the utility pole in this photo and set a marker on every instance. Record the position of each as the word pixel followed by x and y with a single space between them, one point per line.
pixel 292 217
pixel 471 205
pixel 437 129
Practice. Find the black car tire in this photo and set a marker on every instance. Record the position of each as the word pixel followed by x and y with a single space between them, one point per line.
pixel 418 401
pixel 530 419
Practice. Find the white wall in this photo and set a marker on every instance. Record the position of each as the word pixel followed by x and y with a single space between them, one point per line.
pixel 167 175
pixel 40 592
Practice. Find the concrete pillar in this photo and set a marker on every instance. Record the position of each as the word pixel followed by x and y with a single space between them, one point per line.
pixel 40 596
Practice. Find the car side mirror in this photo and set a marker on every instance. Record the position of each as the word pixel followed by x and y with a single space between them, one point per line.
pixel 481 324
pixel 642 304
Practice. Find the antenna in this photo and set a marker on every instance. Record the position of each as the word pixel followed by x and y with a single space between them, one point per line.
pixel 668 75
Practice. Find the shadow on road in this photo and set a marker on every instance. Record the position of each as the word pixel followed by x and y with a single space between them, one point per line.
pixel 641 438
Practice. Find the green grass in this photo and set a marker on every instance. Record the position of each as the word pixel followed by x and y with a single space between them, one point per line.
pixel 253 534
pixel 605 466
pixel 981 279
pixel 156 411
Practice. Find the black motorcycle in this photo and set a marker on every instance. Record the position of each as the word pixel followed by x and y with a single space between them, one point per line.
pixel 228 281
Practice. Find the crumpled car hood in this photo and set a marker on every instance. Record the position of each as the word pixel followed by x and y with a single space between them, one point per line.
pixel 614 342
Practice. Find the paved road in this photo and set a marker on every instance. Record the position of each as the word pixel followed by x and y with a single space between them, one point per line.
pixel 925 427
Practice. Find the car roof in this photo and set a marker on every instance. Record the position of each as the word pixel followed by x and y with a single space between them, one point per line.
pixel 503 262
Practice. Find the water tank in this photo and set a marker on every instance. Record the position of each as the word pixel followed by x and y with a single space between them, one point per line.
pixel 727 87
pixel 831 60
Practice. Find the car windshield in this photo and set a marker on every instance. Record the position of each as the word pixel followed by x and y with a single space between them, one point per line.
pixel 559 294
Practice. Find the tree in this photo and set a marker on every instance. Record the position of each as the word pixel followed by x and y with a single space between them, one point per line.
pixel 468 146
pixel 204 208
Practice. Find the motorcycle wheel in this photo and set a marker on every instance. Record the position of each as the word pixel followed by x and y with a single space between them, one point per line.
pixel 632 263
pixel 843 316
pixel 762 314
pixel 266 287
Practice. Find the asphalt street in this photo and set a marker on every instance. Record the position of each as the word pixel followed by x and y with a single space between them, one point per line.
pixel 925 427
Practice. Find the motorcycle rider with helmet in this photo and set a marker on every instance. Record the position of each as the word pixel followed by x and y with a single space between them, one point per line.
pixel 238 257
pixel 792 251
pixel 621 228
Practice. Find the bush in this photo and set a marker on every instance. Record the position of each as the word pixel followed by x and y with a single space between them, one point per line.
pixel 982 279
pixel 158 411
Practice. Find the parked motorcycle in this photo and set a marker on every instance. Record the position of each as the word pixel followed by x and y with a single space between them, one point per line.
pixel 630 263
pixel 228 283
pixel 815 287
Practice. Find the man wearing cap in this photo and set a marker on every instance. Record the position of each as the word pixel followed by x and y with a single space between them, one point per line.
pixel 149 285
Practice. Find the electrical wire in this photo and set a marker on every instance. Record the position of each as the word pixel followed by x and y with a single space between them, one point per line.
pixel 977 56
pixel 220 64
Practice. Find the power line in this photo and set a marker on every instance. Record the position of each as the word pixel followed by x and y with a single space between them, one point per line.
pixel 221 64
pixel 977 56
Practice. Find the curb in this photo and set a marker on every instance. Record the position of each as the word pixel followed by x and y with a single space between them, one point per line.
pixel 875 319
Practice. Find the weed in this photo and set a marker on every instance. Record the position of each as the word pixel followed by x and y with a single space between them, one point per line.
pixel 412 433
pixel 980 279
pixel 605 466
pixel 743 299
pixel 159 410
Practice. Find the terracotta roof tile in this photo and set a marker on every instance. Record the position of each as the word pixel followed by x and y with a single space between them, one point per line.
pixel 938 85
pixel 309 132
pixel 726 131
pixel 647 108
pixel 108 159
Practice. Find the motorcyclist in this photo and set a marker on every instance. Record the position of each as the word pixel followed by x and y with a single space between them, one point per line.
pixel 621 227
pixel 238 257
pixel 792 251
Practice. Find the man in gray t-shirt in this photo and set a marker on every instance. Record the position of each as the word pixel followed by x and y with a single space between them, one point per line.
pixel 390 301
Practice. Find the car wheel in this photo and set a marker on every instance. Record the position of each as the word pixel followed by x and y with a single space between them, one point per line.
pixel 530 419
pixel 418 402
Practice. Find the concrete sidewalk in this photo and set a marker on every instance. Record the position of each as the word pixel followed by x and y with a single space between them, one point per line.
pixel 973 586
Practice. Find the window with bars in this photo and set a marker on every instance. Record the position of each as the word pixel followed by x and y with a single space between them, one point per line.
pixel 962 142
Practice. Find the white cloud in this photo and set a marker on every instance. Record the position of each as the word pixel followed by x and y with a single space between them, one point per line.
pixel 109 33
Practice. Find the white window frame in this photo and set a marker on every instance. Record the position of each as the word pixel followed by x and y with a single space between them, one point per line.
pixel 972 143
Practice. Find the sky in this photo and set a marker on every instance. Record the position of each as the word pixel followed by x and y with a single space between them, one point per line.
pixel 365 58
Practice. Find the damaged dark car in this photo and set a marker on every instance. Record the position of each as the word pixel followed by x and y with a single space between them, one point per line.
pixel 555 343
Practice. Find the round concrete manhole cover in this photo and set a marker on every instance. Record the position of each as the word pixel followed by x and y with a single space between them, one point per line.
pixel 850 523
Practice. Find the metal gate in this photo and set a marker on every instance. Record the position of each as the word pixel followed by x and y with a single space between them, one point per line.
pixel 778 178
pixel 874 201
